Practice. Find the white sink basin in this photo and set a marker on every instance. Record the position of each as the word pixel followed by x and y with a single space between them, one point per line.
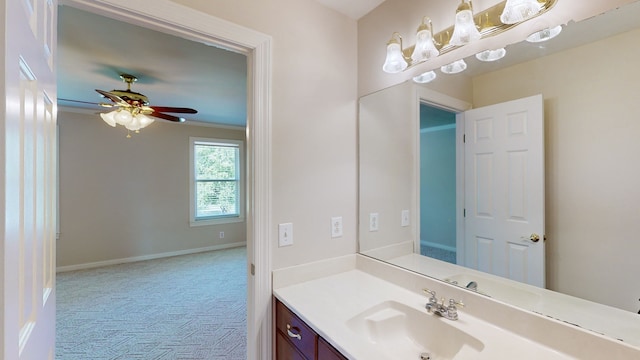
pixel 402 332
pixel 498 290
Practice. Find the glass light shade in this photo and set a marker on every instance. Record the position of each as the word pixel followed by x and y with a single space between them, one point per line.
pixel 123 117
pixel 491 55
pixel 134 124
pixel 455 67
pixel 545 34
pixel 516 11
pixel 465 30
pixel 395 61
pixel 425 49
pixel 144 120
pixel 424 78
pixel 109 118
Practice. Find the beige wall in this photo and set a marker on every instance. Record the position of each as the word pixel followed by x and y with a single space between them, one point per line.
pixel 122 198
pixel 592 119
pixel 314 120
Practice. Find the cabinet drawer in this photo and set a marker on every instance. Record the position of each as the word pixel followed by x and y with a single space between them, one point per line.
pixel 328 352
pixel 284 349
pixel 296 331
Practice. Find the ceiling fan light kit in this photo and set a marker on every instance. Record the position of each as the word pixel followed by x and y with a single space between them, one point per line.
pixel 133 110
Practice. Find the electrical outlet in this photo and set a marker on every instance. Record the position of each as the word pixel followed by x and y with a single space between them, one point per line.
pixel 404 218
pixel 336 226
pixel 285 234
pixel 221 234
pixel 373 222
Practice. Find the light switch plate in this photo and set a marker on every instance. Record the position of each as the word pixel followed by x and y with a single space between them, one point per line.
pixel 336 226
pixel 285 234
pixel 405 218
pixel 373 222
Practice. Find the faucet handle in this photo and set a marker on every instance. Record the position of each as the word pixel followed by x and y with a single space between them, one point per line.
pixel 452 310
pixel 431 293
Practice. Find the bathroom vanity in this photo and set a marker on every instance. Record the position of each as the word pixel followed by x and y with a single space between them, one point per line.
pixel 296 340
pixel 356 307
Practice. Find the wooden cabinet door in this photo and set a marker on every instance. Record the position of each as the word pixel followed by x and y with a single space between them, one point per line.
pixel 328 352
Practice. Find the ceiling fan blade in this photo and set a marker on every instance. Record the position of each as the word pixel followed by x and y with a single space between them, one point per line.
pixel 180 110
pixel 167 117
pixel 80 102
pixel 116 99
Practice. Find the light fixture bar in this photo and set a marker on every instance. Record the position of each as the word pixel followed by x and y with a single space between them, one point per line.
pixel 489 22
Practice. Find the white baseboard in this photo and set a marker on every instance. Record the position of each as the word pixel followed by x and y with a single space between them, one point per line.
pixel 147 257
pixel 437 246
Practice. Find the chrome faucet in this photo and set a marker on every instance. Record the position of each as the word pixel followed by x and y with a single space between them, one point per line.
pixel 472 285
pixel 433 306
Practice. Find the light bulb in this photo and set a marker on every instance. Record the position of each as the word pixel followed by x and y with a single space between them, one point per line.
pixel 134 124
pixel 123 117
pixel 424 78
pixel 545 34
pixel 455 67
pixel 425 49
pixel 144 120
pixel 516 11
pixel 109 118
pixel 395 61
pixel 465 30
pixel 491 55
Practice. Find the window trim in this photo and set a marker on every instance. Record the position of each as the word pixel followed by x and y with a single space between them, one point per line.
pixel 221 219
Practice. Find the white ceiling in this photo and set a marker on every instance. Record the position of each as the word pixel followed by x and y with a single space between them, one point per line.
pixel 354 9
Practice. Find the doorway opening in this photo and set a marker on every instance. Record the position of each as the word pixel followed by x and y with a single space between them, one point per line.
pixel 437 183
pixel 192 24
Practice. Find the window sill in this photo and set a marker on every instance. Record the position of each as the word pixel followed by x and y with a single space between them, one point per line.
pixel 207 222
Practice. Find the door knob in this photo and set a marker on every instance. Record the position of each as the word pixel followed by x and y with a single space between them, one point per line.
pixel 534 237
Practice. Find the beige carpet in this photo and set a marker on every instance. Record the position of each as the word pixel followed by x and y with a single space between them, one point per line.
pixel 183 307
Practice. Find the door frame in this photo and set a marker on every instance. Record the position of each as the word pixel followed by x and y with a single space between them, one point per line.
pixel 169 17
pixel 457 106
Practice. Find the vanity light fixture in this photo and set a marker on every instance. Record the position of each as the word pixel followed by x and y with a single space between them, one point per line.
pixel 424 78
pixel 516 11
pixel 455 67
pixel 544 34
pixel 465 29
pixel 425 48
pixel 395 61
pixel 491 55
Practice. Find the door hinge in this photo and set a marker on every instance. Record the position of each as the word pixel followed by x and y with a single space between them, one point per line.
pixel 253 269
pixel 464 212
pixel 464 138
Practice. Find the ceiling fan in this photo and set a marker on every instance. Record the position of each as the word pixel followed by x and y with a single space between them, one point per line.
pixel 133 109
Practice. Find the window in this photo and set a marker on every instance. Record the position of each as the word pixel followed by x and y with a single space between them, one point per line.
pixel 216 182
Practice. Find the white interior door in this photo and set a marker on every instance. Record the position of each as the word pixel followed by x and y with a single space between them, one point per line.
pixel 504 190
pixel 28 165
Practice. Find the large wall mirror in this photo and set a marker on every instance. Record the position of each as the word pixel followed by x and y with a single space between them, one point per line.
pixel 412 194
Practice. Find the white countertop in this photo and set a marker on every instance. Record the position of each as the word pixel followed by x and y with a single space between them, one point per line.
pixel 342 289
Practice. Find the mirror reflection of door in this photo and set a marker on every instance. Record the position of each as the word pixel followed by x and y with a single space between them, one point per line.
pixel 437 183
pixel 503 189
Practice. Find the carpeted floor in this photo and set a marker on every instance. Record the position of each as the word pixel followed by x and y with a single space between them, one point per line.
pixel 184 307
pixel 437 253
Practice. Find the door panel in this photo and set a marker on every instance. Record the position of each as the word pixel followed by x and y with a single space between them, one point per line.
pixel 504 189
pixel 29 134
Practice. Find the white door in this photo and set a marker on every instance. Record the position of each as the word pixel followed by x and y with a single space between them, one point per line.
pixel 28 160
pixel 504 190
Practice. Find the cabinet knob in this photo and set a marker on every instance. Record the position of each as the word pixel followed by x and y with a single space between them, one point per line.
pixel 293 334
